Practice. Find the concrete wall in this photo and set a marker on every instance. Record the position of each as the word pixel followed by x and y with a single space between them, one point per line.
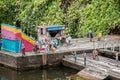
pixel 8 60
pixel 72 65
pixel 19 62
pixel 35 61
pixel 29 61
pixel 108 53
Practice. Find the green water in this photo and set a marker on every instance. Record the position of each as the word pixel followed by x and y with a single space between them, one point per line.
pixel 58 73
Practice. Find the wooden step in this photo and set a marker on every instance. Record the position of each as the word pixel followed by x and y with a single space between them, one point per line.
pixel 93 74
pixel 97 69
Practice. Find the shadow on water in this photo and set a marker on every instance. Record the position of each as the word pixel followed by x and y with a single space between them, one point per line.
pixel 58 73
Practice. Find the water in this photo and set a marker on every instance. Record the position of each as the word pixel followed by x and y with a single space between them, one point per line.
pixel 59 73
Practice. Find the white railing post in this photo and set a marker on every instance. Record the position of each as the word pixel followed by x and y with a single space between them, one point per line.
pixel 98 45
pixel 113 47
pixel 119 47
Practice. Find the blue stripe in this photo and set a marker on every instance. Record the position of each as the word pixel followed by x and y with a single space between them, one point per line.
pixel 55 28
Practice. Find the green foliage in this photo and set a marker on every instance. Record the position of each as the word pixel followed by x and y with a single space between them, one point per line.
pixel 95 15
pixel 79 16
pixel 8 11
pixel 100 16
pixel 31 13
pixel 40 12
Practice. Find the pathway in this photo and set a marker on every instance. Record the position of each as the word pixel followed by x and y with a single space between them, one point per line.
pixel 85 44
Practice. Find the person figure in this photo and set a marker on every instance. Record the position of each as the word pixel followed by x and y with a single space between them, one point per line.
pixel 95 55
pixel 35 48
pixel 53 48
pixel 23 50
pixel 60 40
pixel 117 59
pixel 84 56
pixel 69 39
pixel 99 36
pixel 55 43
pixel 75 56
pixel 46 48
pixel 52 41
pixel 42 40
pixel 90 35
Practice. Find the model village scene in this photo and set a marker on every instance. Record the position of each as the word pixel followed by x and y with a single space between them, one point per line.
pixel 54 53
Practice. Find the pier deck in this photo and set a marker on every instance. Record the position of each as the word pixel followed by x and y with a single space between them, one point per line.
pixel 95 69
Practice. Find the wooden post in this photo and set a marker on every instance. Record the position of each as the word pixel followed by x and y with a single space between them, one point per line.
pixel 106 45
pixel 98 45
pixel 111 46
pixel 93 45
pixel 44 58
pixel 103 42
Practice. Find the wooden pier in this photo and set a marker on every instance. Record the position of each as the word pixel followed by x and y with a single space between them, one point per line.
pixel 101 69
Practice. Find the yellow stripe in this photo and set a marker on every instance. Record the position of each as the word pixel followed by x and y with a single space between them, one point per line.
pixel 27 39
pixel 14 30
pixel 17 31
pixel 8 28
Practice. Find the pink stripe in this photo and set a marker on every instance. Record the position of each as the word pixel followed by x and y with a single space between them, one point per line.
pixel 10 35
pixel 28 46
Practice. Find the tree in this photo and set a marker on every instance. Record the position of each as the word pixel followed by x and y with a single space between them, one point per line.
pixel 8 11
pixel 97 15
pixel 79 16
pixel 39 12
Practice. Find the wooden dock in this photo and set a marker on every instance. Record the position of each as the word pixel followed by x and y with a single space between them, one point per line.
pixel 95 69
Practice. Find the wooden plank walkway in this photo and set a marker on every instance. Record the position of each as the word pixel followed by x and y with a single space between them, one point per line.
pixel 98 69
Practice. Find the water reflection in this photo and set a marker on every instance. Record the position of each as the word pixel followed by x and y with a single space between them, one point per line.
pixel 3 78
pixel 58 73
pixel 74 77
